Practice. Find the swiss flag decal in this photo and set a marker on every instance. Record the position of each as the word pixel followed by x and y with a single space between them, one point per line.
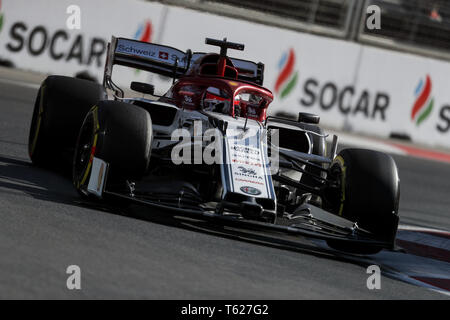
pixel 163 55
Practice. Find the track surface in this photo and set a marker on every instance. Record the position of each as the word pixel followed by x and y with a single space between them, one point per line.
pixel 44 229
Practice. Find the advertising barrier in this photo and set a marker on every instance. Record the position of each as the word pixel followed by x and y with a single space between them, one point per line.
pixel 44 36
pixel 351 86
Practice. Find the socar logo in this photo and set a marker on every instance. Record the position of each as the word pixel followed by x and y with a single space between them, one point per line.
pixel 423 106
pixel 287 78
pixel 144 32
pixel 1 16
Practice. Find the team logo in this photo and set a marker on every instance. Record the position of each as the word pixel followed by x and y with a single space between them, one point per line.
pixel 1 16
pixel 250 190
pixel 287 78
pixel 423 106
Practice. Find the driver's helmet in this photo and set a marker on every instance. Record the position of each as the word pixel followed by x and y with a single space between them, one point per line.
pixel 216 100
pixel 248 105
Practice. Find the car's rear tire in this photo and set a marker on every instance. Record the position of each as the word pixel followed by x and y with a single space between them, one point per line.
pixel 369 195
pixel 119 134
pixel 60 107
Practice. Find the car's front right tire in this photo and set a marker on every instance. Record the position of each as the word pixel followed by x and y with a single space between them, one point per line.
pixel 117 133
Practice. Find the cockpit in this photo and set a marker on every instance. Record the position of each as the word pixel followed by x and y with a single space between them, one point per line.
pixel 218 83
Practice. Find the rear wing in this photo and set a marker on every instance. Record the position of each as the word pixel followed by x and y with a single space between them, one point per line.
pixel 165 60
pixel 151 57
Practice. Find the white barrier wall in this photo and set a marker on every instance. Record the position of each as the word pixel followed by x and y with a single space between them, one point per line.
pixel 351 86
pixel 404 78
pixel 35 36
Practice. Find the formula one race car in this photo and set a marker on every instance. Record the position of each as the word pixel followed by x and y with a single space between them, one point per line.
pixel 207 148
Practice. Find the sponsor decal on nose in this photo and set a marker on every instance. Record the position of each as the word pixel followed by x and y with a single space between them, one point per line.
pixel 250 190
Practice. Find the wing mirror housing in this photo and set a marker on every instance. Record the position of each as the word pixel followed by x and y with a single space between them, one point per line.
pixel 142 87
pixel 308 118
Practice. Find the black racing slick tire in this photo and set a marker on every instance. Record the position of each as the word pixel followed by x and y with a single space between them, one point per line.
pixel 370 191
pixel 119 134
pixel 60 107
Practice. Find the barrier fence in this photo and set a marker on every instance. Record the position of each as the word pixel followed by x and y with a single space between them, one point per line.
pixel 417 26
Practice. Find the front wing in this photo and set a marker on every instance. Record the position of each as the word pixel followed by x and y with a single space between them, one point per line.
pixel 308 221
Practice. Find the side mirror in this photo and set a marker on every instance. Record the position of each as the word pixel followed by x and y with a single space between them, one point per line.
pixel 308 118
pixel 142 87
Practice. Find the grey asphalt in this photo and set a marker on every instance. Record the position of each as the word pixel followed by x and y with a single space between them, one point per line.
pixel 44 228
